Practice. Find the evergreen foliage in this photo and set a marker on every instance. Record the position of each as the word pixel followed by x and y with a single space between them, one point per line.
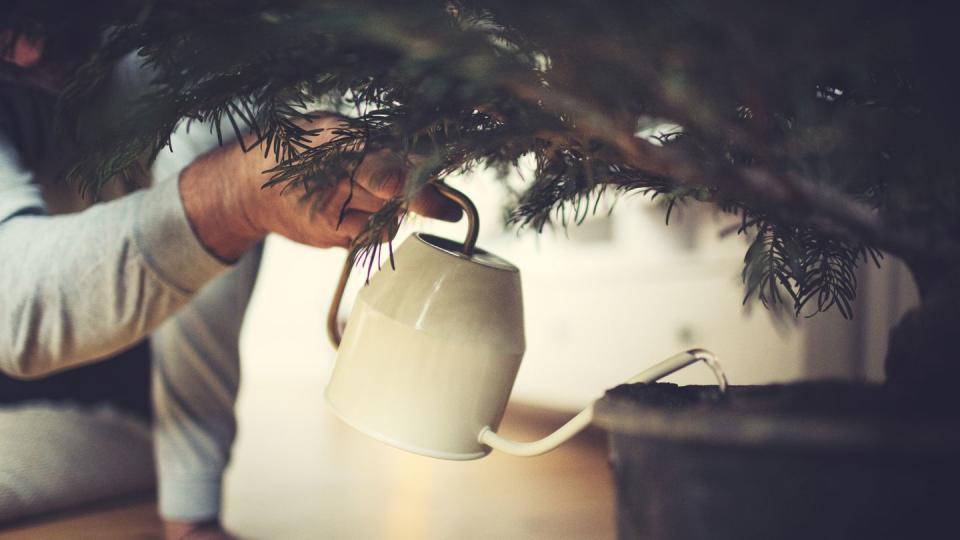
pixel 829 127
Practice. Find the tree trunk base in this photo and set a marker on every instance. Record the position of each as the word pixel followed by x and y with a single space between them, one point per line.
pixel 923 357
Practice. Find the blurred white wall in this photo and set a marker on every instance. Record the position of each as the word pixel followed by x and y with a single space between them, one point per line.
pixel 602 301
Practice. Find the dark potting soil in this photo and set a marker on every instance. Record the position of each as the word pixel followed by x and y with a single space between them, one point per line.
pixel 826 399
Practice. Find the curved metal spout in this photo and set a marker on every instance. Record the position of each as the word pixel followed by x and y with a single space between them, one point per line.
pixel 579 422
pixel 527 449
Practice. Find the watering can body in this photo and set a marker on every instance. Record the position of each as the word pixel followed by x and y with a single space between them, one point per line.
pixel 431 350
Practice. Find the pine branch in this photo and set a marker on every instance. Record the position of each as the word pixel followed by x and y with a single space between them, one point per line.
pixel 828 127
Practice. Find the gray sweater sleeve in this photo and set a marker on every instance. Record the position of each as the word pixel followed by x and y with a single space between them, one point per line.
pixel 80 287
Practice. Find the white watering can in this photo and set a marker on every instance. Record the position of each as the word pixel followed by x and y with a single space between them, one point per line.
pixel 431 350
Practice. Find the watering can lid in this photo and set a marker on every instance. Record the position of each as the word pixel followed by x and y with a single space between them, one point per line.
pixel 454 248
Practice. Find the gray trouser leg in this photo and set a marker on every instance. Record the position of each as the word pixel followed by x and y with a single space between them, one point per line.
pixel 55 456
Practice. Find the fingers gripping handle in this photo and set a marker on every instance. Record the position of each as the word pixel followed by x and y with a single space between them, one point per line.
pixel 577 424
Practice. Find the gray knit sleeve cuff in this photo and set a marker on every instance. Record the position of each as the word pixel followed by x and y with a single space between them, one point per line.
pixel 167 241
pixel 190 498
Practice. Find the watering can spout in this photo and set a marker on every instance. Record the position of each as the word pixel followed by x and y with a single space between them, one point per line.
pixel 527 449
pixel 583 419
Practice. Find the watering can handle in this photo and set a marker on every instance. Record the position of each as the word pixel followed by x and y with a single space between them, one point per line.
pixel 473 230
pixel 577 424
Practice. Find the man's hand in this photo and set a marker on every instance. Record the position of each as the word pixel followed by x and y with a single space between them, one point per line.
pixel 230 210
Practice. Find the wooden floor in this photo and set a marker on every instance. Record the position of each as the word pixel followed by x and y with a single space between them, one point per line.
pixel 299 473
pixel 307 475
pixel 133 517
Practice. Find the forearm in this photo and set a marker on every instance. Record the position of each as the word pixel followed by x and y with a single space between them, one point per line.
pixel 230 209
pixel 80 287
pixel 218 192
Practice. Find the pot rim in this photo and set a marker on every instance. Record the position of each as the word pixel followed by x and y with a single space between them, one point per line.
pixel 719 427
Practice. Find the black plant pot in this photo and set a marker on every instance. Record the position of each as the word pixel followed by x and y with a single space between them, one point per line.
pixel 810 461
